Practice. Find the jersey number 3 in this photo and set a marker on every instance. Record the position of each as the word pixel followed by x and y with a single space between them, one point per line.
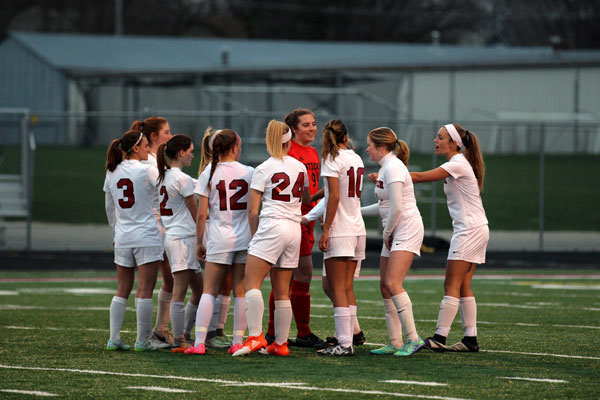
pixel 128 199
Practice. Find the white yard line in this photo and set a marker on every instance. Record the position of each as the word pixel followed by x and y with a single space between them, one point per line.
pixel 29 392
pixel 159 389
pixel 541 354
pixel 414 383
pixel 518 378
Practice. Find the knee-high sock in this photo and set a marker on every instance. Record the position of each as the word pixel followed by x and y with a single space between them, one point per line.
pixel 203 317
pixel 271 326
pixel 405 314
pixel 300 298
pixel 283 320
pixel 255 307
pixel 343 325
pixel 214 320
pixel 117 315
pixel 355 325
pixel 144 310
pixel 393 323
pixel 162 311
pixel 448 309
pixel 239 319
pixel 177 318
pixel 468 315
pixel 190 317
pixel 225 302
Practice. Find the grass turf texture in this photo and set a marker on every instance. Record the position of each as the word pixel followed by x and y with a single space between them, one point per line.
pixel 66 336
pixel 68 189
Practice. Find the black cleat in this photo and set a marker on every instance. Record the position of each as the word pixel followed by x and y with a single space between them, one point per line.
pixel 308 341
pixel 329 342
pixel 432 344
pixel 270 339
pixel 463 346
pixel 358 339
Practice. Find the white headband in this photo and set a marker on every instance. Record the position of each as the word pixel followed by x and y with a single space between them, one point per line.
pixel 454 134
pixel 286 136
pixel 212 139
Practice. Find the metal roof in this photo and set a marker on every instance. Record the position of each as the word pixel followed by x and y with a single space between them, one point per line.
pixel 82 55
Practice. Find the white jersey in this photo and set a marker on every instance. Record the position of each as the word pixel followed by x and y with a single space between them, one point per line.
pixel 462 192
pixel 349 169
pixel 132 186
pixel 393 170
pixel 281 183
pixel 228 193
pixel 152 162
pixel 174 212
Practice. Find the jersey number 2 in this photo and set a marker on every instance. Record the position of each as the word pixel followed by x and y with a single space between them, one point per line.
pixel 163 204
pixel 128 199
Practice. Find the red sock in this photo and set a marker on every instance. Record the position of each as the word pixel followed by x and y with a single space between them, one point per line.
pixel 300 298
pixel 271 328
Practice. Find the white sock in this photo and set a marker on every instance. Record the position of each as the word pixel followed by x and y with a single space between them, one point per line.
pixel 255 307
pixel 144 310
pixel 117 315
pixel 353 316
pixel 177 311
pixel 162 311
pixel 283 320
pixel 448 309
pixel 225 302
pixel 190 317
pixel 343 326
pixel 239 319
pixel 214 320
pixel 405 314
pixel 468 315
pixel 393 323
pixel 203 317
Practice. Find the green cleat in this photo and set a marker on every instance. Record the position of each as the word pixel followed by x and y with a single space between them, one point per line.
pixel 144 346
pixel 115 346
pixel 219 342
pixel 386 350
pixel 410 348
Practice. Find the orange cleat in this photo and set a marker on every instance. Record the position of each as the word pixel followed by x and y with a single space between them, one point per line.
pixel 252 344
pixel 278 349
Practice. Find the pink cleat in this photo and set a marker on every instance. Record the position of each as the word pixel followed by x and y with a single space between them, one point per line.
pixel 234 348
pixel 200 349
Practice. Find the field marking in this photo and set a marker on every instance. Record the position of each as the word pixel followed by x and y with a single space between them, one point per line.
pixel 159 389
pixel 293 385
pixel 414 383
pixel 8 293
pixel 518 378
pixel 541 354
pixel 29 392
pixel 567 287
pixel 50 328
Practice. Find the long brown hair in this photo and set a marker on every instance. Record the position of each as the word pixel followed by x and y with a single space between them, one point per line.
pixel 293 118
pixel 169 151
pixel 384 136
pixel 334 132
pixel 222 144
pixel 472 153
pixel 119 148
pixel 149 126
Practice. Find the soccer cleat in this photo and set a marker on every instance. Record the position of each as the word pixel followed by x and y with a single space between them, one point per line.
pixel 337 350
pixel 218 342
pixel 160 341
pixel 385 350
pixel 200 349
pixel 463 347
pixel 358 339
pixel 114 346
pixel 278 350
pixel 329 342
pixel 180 345
pixel 432 344
pixel 252 344
pixel 234 348
pixel 310 341
pixel 144 346
pixel 410 348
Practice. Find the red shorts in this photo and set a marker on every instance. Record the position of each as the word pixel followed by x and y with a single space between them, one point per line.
pixel 308 239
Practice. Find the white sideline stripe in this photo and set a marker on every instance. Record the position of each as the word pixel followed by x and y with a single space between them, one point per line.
pixel 533 379
pixel 567 287
pixel 296 386
pixel 29 392
pixel 541 354
pixel 415 383
pixel 8 293
pixel 51 328
pixel 159 389
pixel 21 307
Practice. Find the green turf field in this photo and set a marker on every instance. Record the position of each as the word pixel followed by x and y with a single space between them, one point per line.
pixel 530 327
pixel 68 189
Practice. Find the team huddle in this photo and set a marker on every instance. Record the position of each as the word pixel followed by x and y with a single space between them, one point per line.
pixel 246 223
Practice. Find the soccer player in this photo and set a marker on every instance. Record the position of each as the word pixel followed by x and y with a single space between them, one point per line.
pixel 178 213
pixel 129 189
pixel 343 238
pixel 463 176
pixel 224 189
pixel 281 182
pixel 304 128
pixel 402 237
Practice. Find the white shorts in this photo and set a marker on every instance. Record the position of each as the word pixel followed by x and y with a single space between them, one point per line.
pixel 356 271
pixel 130 257
pixel 469 245
pixel 408 236
pixel 277 241
pixel 346 246
pixel 233 257
pixel 182 253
